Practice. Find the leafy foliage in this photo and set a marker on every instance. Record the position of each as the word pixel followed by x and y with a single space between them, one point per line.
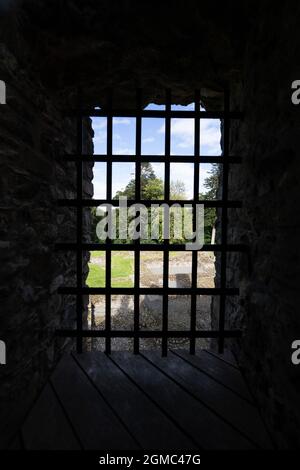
pixel 211 183
pixel 152 188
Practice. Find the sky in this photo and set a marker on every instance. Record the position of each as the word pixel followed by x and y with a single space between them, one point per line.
pixel 153 134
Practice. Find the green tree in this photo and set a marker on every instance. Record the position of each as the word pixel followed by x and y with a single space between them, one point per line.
pixel 211 183
pixel 177 190
pixel 151 186
pixel 153 189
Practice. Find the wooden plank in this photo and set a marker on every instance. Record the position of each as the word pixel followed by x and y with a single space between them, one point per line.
pixel 229 406
pixel 219 370
pixel 46 427
pixel 16 444
pixel 151 428
pixel 227 357
pixel 209 431
pixel 95 423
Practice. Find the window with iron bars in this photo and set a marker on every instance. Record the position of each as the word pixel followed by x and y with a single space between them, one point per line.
pixel 223 204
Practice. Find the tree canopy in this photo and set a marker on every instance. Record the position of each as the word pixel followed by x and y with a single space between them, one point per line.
pixel 152 187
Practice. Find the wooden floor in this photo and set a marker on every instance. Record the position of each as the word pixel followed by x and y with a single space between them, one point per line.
pixel 122 401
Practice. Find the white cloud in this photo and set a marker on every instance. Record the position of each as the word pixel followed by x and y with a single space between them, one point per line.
pixel 124 151
pixel 148 140
pixel 124 121
pixel 161 130
pixel 183 131
pixel 99 180
pixel 100 137
pixel 210 136
pixel 182 135
pixel 159 169
pixel 98 125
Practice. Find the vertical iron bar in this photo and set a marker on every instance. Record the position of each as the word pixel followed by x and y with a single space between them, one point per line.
pixel 167 200
pixel 138 140
pixel 138 168
pixel 224 221
pixel 79 175
pixel 108 241
pixel 196 198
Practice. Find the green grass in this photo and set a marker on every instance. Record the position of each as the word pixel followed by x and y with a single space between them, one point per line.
pixel 96 277
pixel 97 255
pixel 121 267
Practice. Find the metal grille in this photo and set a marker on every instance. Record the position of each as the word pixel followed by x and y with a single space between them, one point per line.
pixel 223 204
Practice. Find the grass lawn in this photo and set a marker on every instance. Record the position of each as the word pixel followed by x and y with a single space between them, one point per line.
pixel 121 267
pixel 96 277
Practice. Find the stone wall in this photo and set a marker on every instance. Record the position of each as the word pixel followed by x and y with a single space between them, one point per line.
pixel 268 184
pixel 34 137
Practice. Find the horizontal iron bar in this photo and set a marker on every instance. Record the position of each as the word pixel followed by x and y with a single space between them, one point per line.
pixel 147 247
pixel 154 113
pixel 147 203
pixel 148 334
pixel 148 290
pixel 150 158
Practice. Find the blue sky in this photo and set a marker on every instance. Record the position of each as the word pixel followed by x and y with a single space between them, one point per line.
pixel 153 132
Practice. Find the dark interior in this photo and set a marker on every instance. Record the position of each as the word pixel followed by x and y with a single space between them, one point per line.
pixel 50 50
